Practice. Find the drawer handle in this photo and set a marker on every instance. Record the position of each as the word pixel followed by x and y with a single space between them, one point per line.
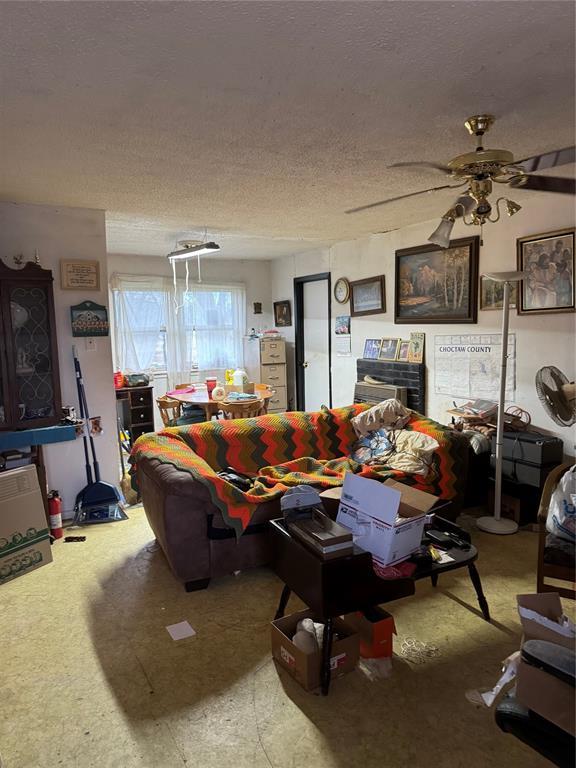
pixel 271 355
pixel 273 378
pixel 141 399
pixel 142 416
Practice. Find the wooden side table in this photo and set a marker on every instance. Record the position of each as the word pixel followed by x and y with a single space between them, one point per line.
pixel 331 588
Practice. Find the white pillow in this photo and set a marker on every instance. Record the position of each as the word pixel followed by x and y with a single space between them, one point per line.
pixel 389 414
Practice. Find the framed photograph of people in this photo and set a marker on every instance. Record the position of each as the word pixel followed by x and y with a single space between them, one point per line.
pixel 548 260
pixel 372 349
pixel 282 314
pixel 403 351
pixel 368 296
pixel 437 285
pixel 389 349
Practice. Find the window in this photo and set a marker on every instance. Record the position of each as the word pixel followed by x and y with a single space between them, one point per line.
pixel 150 335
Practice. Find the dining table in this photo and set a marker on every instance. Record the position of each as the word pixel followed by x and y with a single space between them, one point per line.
pixel 201 398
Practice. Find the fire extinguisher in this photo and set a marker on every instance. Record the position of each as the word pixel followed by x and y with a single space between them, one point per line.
pixel 55 513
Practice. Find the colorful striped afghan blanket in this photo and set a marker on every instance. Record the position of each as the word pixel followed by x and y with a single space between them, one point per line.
pixel 288 449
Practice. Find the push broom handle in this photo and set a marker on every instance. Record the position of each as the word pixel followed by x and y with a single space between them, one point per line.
pixel 82 416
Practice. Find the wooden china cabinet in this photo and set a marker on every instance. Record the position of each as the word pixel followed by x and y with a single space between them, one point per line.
pixel 29 373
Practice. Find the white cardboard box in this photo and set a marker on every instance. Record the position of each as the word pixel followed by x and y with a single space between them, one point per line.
pixel 24 534
pixel 386 519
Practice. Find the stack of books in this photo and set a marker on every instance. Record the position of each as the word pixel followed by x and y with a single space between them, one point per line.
pixel 322 535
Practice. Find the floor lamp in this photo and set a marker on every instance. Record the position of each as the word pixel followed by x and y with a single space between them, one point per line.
pixel 496 523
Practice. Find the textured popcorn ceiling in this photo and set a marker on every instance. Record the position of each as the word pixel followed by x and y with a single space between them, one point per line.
pixel 264 122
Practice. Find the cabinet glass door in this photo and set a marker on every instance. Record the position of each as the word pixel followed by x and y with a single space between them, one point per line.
pixel 35 397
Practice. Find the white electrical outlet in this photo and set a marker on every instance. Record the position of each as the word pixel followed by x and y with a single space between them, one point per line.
pixel 90 344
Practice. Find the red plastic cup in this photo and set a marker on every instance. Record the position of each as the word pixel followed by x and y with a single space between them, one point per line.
pixel 211 382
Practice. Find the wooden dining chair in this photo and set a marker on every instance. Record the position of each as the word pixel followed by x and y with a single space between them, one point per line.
pixel 170 410
pixel 242 410
pixel 555 556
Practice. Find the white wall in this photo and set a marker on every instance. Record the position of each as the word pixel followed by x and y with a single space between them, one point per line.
pixel 69 233
pixel 541 339
pixel 254 275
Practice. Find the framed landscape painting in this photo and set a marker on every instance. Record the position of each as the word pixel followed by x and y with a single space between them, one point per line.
pixel 437 285
pixel 548 260
pixel 492 294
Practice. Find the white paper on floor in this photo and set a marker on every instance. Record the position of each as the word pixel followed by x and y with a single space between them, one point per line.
pixel 509 671
pixel 180 631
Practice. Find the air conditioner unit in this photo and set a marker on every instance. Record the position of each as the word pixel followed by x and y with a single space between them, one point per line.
pixel 24 534
pixel 375 393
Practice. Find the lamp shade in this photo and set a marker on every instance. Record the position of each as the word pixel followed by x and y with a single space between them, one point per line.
pixel 506 277
pixel 441 235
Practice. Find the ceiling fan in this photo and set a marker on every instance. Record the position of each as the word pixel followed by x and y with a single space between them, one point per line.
pixel 477 171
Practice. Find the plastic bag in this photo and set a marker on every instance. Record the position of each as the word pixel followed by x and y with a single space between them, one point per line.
pixel 561 519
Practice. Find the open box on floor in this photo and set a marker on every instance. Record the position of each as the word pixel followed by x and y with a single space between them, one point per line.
pixel 305 667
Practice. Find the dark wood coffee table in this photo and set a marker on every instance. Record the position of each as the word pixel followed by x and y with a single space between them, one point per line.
pixel 331 588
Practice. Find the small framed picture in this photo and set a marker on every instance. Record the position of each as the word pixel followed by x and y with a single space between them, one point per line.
pixel 548 260
pixel 343 325
pixel 403 348
pixel 492 294
pixel 368 296
pixel 282 314
pixel 389 349
pixel 79 275
pixel 372 349
pixel 416 347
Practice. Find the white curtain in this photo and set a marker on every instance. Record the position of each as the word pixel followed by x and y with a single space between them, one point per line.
pixel 156 330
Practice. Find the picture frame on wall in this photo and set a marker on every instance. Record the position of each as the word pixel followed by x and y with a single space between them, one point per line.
pixel 492 294
pixel 79 275
pixel 368 296
pixel 548 258
pixel 389 349
pixel 437 285
pixel 282 314
pixel 372 349
pixel 416 347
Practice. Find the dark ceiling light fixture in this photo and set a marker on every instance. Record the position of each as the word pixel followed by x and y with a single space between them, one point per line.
pixel 192 248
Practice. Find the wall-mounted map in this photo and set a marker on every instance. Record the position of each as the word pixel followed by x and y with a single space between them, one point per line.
pixel 469 365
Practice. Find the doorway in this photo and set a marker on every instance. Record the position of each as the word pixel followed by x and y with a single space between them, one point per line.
pixel 312 296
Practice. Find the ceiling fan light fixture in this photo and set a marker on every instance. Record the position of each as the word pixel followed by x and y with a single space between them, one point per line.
pixel 441 235
pixel 512 207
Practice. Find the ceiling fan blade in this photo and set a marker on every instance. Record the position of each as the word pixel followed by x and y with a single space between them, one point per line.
pixel 545 184
pixel 548 160
pixel 401 197
pixel 422 164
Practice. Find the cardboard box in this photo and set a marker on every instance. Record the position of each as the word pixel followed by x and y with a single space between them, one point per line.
pixel 386 519
pixel 547 695
pixel 548 606
pixel 376 630
pixel 24 535
pixel 305 667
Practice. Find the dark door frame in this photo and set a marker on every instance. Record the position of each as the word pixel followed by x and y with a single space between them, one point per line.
pixel 299 334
